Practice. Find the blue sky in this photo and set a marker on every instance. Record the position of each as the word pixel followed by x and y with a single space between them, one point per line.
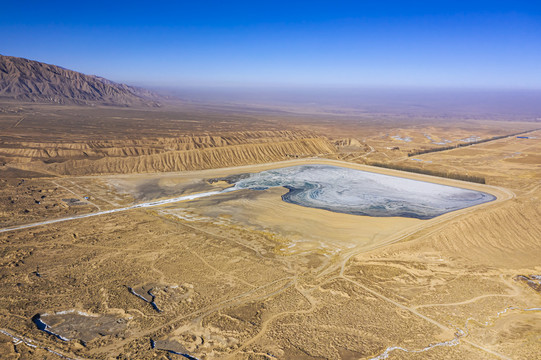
pixel 474 44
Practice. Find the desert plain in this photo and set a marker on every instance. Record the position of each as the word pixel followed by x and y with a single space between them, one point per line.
pixel 243 274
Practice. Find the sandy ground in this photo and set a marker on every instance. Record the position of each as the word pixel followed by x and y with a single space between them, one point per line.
pixel 252 277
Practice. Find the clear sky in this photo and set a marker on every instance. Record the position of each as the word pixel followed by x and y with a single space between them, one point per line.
pixel 438 43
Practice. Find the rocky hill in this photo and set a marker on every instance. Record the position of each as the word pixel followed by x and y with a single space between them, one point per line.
pixel 27 80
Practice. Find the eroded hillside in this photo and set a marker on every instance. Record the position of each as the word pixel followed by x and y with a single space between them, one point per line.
pixel 175 154
pixel 60 140
pixel 163 154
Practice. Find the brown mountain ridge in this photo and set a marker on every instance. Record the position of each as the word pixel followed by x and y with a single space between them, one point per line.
pixel 27 80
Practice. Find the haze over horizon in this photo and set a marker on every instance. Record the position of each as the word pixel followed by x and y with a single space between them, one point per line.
pixel 392 44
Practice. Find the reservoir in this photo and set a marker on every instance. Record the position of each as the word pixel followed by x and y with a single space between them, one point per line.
pixel 358 192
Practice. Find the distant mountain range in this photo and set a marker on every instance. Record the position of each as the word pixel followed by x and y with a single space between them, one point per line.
pixel 27 80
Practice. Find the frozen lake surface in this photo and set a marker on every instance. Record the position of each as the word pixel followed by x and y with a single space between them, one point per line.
pixel 359 192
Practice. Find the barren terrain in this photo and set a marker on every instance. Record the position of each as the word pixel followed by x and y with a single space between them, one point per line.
pixel 244 275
